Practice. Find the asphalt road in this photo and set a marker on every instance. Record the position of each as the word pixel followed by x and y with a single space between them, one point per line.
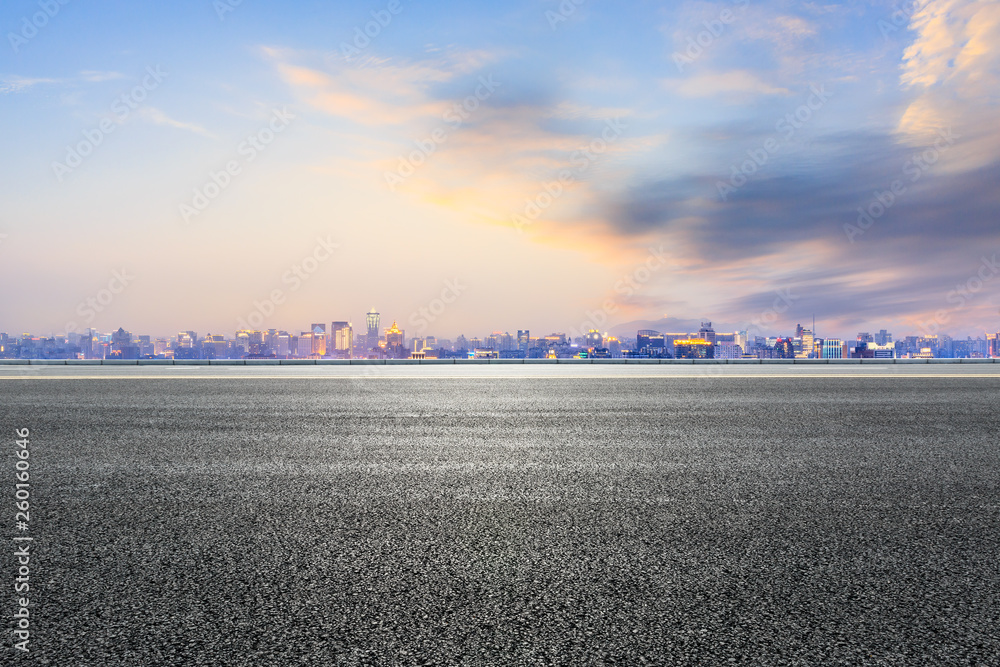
pixel 508 516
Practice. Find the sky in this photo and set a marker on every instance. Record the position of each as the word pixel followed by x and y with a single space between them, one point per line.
pixel 463 168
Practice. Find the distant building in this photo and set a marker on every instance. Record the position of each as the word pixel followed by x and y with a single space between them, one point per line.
pixel 833 348
pixel 727 350
pixel 886 351
pixel 395 342
pixel 593 339
pixel 707 332
pixel 342 338
pixel 783 348
pixel 372 319
pixel 804 342
pixel 695 348
pixel 304 347
pixel 318 340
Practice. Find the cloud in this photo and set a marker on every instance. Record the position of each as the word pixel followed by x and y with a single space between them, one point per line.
pixel 16 84
pixel 93 76
pixel 157 117
pixel 786 229
pixel 733 83
pixel 952 70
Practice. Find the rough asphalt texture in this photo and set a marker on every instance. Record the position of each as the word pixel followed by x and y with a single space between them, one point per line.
pixel 510 522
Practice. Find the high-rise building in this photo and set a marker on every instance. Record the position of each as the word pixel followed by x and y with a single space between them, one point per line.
pixel 283 344
pixel 319 340
pixel 322 330
pixel 395 342
pixel 804 343
pixel 707 332
pixel 122 346
pixel 342 334
pixel 304 346
pixel 523 339
pixel 883 337
pixel 833 348
pixel 372 319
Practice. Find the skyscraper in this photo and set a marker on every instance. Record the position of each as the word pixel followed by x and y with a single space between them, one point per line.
pixel 319 340
pixel 395 342
pixel 707 332
pixel 523 339
pixel 373 330
pixel 343 339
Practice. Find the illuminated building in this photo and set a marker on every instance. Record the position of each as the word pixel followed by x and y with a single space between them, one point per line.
pixel 342 334
pixel 614 346
pixel 643 337
pixel 318 340
pixel 833 348
pixel 694 348
pixel 395 341
pixel 804 343
pixel 783 348
pixel 593 339
pixel 304 345
pixel 322 331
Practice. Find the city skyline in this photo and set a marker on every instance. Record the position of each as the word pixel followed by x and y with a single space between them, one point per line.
pixel 340 341
pixel 534 161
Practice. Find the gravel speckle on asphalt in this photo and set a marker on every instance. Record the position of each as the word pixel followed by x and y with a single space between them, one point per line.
pixel 512 522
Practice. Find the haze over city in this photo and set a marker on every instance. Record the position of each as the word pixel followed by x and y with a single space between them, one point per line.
pixel 657 164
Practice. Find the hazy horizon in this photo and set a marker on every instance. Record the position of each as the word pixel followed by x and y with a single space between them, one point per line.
pixel 538 165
